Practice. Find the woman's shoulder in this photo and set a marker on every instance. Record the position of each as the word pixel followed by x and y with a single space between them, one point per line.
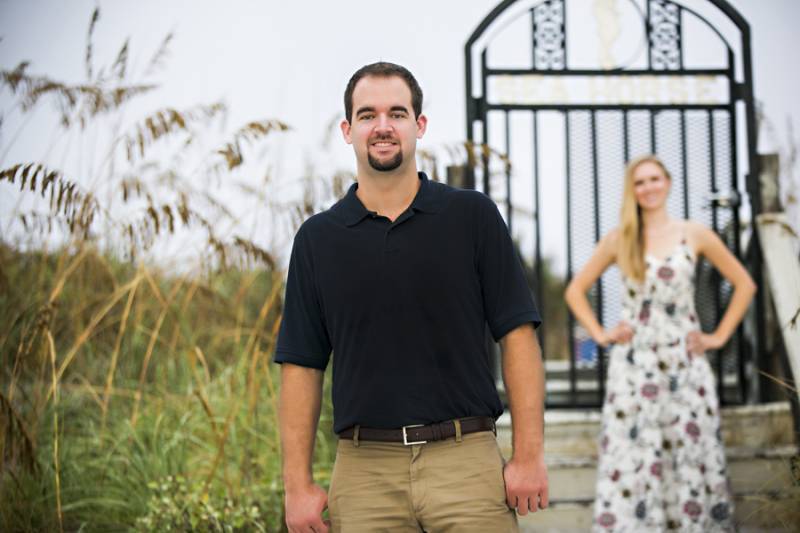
pixel 696 231
pixel 609 243
pixel 611 238
pixel 698 236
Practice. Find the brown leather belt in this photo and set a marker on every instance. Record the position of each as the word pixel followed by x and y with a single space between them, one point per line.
pixel 420 434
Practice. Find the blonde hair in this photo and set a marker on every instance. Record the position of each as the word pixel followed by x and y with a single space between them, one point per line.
pixel 630 250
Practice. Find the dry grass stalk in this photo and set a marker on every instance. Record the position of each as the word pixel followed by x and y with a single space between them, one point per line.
pixel 252 344
pixel 75 210
pixel 88 59
pixel 164 122
pixel 247 281
pixel 221 445
pixel 56 463
pixel 120 66
pixel 23 349
pixel 269 304
pixel 76 103
pixel 253 381
pixel 250 132
pixel 154 286
pixel 93 323
pixel 30 348
pixel 94 391
pixel 778 380
pixel 237 328
pixel 253 251
pixel 154 336
pixel 16 445
pixel 273 394
pixel 176 330
pixel 67 200
pixel 112 367
pixel 203 363
pixel 77 259
pixel 200 391
pixel 207 409
pixel 160 54
pixel 86 386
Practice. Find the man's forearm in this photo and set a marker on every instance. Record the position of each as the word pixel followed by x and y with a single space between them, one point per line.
pixel 523 376
pixel 300 401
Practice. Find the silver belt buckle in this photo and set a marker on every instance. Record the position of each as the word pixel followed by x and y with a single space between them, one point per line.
pixel 405 435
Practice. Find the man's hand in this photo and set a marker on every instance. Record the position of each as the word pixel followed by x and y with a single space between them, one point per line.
pixel 526 484
pixel 301 398
pixel 523 373
pixel 304 508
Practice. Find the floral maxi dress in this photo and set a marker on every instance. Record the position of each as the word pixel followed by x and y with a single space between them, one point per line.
pixel 661 458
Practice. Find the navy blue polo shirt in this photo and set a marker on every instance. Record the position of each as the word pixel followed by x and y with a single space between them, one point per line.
pixel 404 305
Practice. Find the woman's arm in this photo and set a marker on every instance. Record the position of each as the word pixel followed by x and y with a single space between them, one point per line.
pixel 604 255
pixel 712 248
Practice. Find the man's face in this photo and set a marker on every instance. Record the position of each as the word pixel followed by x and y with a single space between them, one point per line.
pixel 383 130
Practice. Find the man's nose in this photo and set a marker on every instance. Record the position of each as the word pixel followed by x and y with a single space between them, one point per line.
pixel 383 123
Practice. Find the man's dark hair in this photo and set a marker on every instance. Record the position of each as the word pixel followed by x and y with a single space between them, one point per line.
pixel 385 70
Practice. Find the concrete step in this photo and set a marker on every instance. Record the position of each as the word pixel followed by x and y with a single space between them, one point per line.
pixel 758 444
pixel 573 433
pixel 752 514
pixel 573 480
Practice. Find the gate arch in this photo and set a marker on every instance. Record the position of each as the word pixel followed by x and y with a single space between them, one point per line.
pixel 683 91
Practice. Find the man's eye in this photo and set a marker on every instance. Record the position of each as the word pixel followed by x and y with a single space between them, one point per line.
pixel 365 117
pixel 398 115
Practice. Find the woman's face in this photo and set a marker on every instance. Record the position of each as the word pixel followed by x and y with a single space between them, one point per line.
pixel 650 185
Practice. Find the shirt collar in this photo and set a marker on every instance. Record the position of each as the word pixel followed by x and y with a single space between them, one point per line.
pixel 428 200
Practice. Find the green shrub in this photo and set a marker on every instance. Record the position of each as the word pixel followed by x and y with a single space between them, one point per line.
pixel 179 505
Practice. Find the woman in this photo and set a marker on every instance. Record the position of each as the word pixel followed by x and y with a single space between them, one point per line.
pixel 661 459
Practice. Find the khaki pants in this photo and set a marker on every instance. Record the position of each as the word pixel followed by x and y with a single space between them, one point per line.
pixel 443 486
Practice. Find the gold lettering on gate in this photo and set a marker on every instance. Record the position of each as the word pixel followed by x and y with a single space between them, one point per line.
pixel 639 89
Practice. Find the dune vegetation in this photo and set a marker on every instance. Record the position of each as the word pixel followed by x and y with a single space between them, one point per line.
pixel 138 393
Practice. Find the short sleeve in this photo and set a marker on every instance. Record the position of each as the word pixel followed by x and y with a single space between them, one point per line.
pixel 507 299
pixel 303 337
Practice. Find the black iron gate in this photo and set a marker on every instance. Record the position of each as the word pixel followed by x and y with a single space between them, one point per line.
pixel 580 122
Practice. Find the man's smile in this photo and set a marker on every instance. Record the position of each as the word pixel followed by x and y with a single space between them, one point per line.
pixel 384 145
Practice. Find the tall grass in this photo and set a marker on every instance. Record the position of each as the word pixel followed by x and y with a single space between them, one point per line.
pixel 133 398
pixel 132 395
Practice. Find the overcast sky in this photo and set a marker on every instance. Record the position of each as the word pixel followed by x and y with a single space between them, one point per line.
pixel 291 60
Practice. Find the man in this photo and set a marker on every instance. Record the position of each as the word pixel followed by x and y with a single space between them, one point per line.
pixel 399 280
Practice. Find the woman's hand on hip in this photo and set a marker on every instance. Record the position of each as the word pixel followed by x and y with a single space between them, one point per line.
pixel 619 334
pixel 697 342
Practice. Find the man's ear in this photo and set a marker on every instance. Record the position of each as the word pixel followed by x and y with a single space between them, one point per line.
pixel 422 125
pixel 345 127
